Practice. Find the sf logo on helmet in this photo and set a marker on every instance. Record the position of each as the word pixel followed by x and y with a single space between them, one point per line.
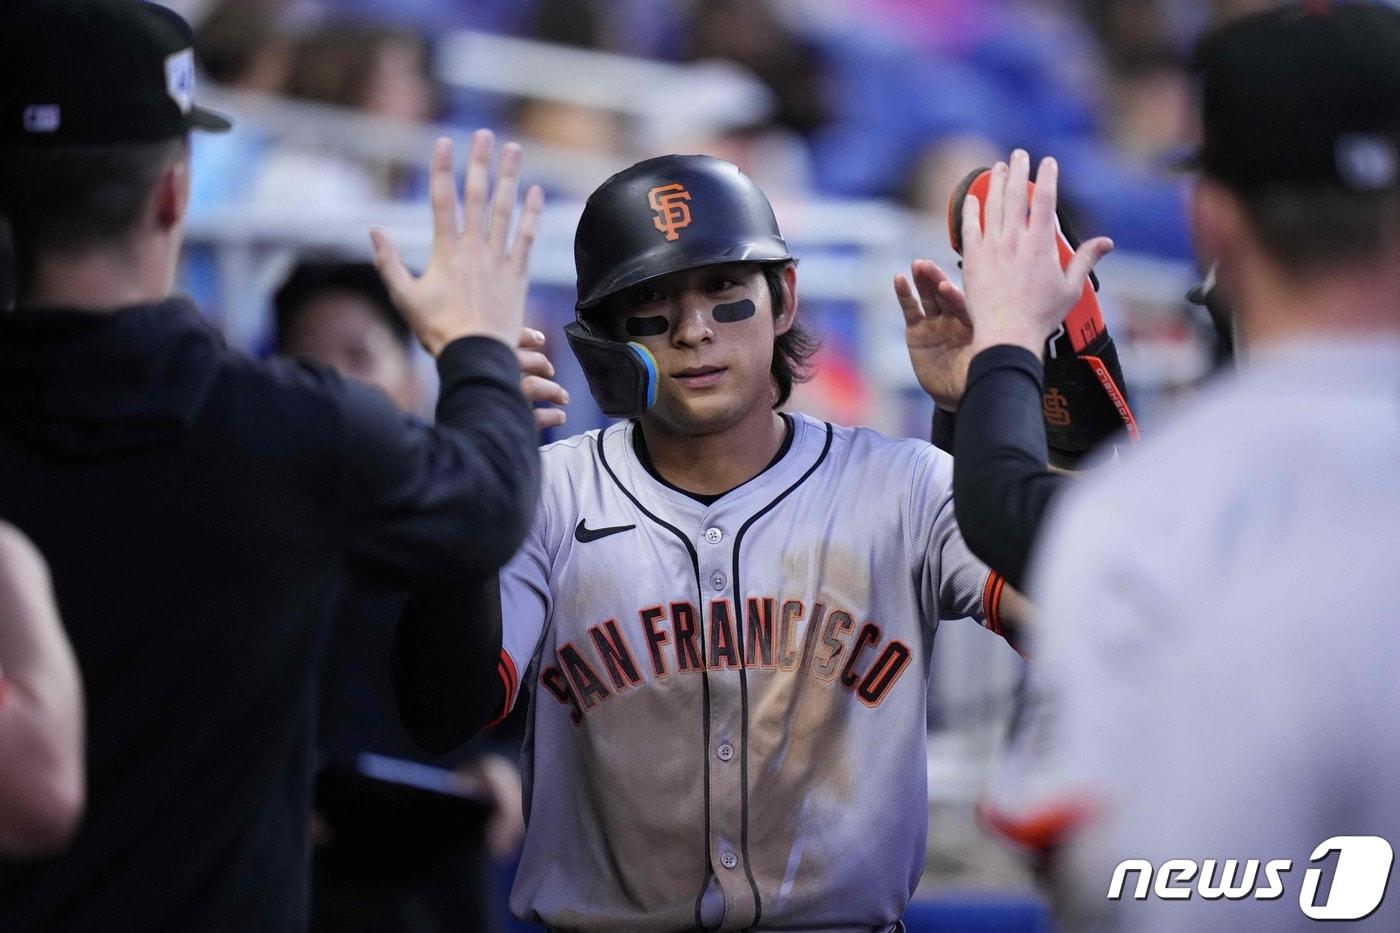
pixel 672 213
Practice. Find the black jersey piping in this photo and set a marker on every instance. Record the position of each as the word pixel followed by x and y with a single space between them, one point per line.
pixel 704 664
pixel 740 607
pixel 639 447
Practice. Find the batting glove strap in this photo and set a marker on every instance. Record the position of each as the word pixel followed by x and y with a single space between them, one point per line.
pixel 1085 401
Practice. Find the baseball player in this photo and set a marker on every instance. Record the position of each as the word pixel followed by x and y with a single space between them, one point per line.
pixel 1210 743
pixel 727 611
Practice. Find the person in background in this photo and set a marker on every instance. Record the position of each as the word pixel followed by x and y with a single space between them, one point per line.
pixel 372 70
pixel 41 709
pixel 379 70
pixel 1216 684
pixel 244 47
pixel 199 507
pixel 390 854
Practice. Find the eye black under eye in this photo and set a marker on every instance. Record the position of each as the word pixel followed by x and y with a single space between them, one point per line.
pixel 649 326
pixel 734 311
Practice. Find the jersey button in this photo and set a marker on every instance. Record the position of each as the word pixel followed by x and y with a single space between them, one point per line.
pixel 714 535
pixel 729 860
pixel 717 580
pixel 725 752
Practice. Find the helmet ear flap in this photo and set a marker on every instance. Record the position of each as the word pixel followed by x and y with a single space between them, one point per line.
pixel 591 323
pixel 621 376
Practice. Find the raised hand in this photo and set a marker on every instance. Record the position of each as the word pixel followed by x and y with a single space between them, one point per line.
pixel 476 279
pixel 537 382
pixel 937 331
pixel 1017 293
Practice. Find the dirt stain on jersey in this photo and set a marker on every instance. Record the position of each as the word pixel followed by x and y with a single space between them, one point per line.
pixel 796 718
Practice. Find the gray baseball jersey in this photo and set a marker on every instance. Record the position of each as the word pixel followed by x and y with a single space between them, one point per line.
pixel 728 728
pixel 1217 678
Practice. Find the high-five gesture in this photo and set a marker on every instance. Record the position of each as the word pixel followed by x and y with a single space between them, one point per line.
pixel 1017 293
pixel 937 331
pixel 476 278
pixel 537 380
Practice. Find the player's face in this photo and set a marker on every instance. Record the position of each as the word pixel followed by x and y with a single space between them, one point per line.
pixel 342 330
pixel 711 330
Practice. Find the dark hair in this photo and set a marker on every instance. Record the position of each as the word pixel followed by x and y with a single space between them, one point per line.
pixel 1306 230
pixel 792 351
pixel 312 279
pixel 70 199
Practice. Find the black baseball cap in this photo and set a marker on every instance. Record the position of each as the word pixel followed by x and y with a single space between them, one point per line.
pixel 76 72
pixel 1303 95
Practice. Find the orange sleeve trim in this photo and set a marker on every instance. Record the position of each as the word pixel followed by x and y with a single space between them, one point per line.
pixel 510 681
pixel 991 601
pixel 1039 832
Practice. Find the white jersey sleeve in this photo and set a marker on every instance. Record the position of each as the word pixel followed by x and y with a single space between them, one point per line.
pixel 525 606
pixel 527 601
pixel 952 582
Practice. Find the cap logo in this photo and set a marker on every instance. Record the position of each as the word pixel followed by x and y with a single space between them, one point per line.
pixel 42 118
pixel 672 211
pixel 1367 163
pixel 179 79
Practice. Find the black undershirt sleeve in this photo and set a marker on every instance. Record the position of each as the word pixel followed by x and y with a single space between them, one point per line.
pixel 456 499
pixel 1002 484
pixel 446 649
pixel 447 644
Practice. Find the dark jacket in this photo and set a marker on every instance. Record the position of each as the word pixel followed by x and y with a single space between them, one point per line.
pixel 198 509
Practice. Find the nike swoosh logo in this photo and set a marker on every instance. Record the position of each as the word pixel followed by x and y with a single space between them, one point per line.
pixel 585 534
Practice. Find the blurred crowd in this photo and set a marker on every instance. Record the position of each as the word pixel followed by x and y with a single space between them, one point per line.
pixel 867 101
pixel 892 99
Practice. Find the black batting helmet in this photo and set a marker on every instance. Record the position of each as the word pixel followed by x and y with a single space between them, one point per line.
pixel 660 216
pixel 667 214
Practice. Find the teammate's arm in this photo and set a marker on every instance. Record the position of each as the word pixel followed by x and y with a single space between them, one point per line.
pixel 1002 482
pixel 1017 618
pixel 446 650
pixel 982 356
pixel 462 648
pixel 41 709
pixel 453 501
pixel 953 581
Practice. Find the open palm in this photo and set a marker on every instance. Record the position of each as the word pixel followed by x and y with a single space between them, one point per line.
pixel 937 331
